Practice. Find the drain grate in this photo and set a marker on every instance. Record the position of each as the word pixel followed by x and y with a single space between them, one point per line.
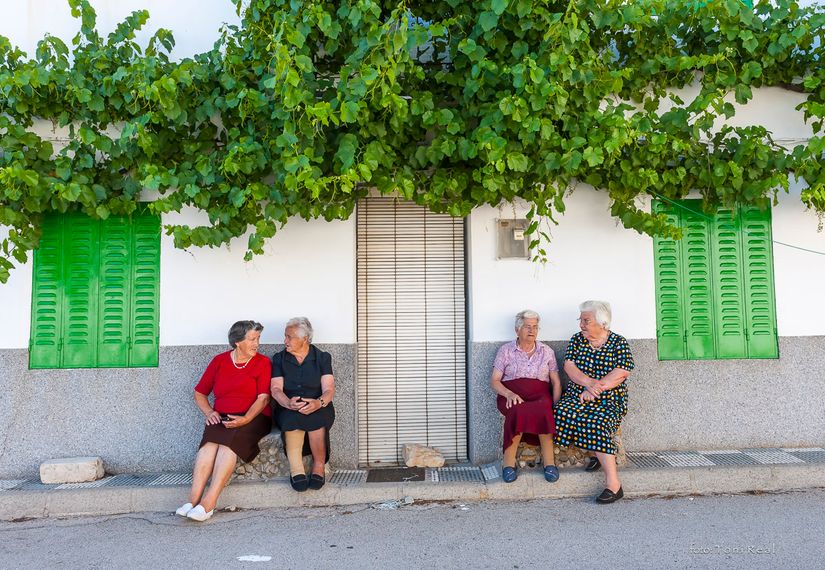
pixel 771 456
pixel 490 471
pixel 731 458
pixel 686 459
pixel 34 485
pixel 131 480
pixel 348 477
pixel 172 479
pixel 466 474
pixel 86 485
pixel 9 484
pixel 810 456
pixel 647 460
pixel 396 475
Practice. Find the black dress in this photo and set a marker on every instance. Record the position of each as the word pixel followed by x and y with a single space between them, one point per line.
pixel 303 380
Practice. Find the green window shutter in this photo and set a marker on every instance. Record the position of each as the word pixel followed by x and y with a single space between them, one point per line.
pixel 145 290
pixel 670 320
pixel 47 297
pixel 697 278
pixel 728 291
pixel 759 283
pixel 80 285
pixel 114 292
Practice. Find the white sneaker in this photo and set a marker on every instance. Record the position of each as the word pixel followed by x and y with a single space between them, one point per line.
pixel 199 514
pixel 184 510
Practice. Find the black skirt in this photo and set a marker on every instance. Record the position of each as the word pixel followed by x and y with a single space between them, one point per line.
pixel 290 420
pixel 242 440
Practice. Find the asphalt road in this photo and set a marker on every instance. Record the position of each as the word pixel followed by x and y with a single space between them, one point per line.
pixel 750 531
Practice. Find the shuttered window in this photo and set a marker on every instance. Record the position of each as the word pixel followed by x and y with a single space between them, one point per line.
pixel 411 331
pixel 95 292
pixel 714 287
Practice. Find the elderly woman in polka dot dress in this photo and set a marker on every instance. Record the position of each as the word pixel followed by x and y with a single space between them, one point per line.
pixel 598 362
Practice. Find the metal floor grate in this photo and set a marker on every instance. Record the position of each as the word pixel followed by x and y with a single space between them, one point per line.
pixel 87 484
pixel 810 456
pixel 686 459
pixel 772 456
pixel 467 474
pixel 348 477
pixel 490 471
pixel 172 479
pixel 131 480
pixel 650 460
pixel 8 484
pixel 731 458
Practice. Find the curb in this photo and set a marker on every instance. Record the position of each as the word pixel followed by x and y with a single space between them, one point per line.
pixel 637 483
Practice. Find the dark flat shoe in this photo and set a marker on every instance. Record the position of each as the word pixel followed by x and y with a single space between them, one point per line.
pixel 609 496
pixel 551 473
pixel 509 474
pixel 593 465
pixel 299 482
pixel 316 481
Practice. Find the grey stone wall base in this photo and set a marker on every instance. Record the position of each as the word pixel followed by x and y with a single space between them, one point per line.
pixel 689 404
pixel 138 420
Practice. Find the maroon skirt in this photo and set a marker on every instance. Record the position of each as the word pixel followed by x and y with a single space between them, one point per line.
pixel 531 418
pixel 242 440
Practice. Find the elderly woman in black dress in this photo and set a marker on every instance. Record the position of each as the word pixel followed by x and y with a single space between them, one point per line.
pixel 598 362
pixel 303 387
pixel 236 420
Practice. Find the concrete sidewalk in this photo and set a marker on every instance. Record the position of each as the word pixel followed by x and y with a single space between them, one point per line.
pixel 671 473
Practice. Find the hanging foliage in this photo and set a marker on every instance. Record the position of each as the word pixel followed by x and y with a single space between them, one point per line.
pixel 305 106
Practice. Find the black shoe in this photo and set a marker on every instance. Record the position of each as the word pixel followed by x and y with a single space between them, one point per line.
pixel 316 481
pixel 593 465
pixel 299 482
pixel 609 496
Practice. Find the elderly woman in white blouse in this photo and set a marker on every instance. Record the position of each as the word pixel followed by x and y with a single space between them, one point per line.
pixel 526 379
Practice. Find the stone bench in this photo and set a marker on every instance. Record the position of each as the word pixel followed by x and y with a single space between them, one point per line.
pixel 530 455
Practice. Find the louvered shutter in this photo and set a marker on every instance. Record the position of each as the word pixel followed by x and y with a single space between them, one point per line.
pixel 759 283
pixel 728 288
pixel 47 297
pixel 145 290
pixel 114 292
pixel 80 286
pixel 670 320
pixel 411 331
pixel 697 282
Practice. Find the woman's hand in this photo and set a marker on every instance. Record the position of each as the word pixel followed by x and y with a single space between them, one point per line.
pixel 310 406
pixel 586 396
pixel 513 399
pixel 213 418
pixel 296 403
pixel 594 387
pixel 235 421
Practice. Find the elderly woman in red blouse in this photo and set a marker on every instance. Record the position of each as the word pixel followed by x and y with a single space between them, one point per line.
pixel 236 421
pixel 526 379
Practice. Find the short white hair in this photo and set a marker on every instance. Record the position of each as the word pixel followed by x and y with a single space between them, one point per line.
pixel 525 314
pixel 600 310
pixel 303 325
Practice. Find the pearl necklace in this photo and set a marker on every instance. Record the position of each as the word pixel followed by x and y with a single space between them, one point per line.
pixel 528 352
pixel 233 357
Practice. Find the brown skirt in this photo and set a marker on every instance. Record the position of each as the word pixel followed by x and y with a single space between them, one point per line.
pixel 243 440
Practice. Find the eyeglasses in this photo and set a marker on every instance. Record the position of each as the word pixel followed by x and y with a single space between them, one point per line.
pixel 585 322
pixel 530 327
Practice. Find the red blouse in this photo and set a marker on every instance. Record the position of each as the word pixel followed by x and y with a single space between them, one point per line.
pixel 236 389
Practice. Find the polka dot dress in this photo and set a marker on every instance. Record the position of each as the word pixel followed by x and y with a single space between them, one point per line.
pixel 591 425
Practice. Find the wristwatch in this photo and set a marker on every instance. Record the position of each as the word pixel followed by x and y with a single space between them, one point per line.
pixel 323 403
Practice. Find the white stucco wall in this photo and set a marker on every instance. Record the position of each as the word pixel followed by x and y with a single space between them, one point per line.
pixel 308 269
pixel 592 257
pixel 195 23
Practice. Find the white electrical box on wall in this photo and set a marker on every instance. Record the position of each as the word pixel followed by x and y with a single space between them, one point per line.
pixel 511 243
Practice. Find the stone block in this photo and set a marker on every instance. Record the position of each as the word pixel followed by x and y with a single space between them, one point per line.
pixel 417 455
pixel 71 470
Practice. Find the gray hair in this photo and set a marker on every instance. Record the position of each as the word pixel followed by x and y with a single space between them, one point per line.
pixel 237 332
pixel 525 314
pixel 303 325
pixel 600 310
